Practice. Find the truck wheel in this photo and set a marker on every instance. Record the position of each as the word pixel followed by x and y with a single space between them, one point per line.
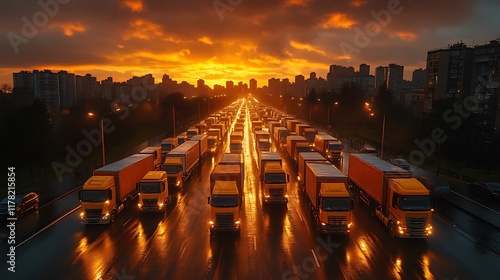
pixel 112 217
pixel 392 229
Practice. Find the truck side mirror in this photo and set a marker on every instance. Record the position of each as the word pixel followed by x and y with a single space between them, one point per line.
pixel 352 204
pixel 287 178
pixel 137 186
pixel 209 200
pixel 110 194
pixel 80 195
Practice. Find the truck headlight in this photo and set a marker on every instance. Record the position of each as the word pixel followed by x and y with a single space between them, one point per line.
pixel 428 229
pixel 237 222
pixel 105 216
pixel 323 224
pixel 349 225
pixel 82 215
pixel 160 205
pixel 211 222
pixel 178 183
pixel 139 205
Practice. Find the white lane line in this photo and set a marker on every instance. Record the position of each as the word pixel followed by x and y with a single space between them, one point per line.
pixel 254 243
pixel 127 221
pixel 315 258
pixel 182 253
pixel 49 225
pixel 300 216
pixel 477 203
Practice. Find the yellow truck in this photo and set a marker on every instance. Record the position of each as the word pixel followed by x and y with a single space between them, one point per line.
pixel 331 205
pixel 153 192
pixel 168 144
pixel 225 204
pixel 401 202
pixel 105 194
pixel 181 162
pixel 273 180
pixel 329 146
pixel 157 155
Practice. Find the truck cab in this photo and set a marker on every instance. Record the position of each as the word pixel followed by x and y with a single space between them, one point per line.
pixel 98 200
pixel 168 145
pixel 153 192
pixel 173 168
pixel 409 208
pixel 335 208
pixel 157 155
pixel 225 202
pixel 274 183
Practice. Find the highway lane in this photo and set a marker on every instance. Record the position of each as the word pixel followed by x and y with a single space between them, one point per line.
pixel 276 242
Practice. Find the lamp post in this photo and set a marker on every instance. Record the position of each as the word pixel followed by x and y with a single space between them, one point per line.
pixel 328 115
pixel 102 134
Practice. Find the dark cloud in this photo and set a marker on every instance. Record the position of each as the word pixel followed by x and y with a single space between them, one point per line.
pixel 110 33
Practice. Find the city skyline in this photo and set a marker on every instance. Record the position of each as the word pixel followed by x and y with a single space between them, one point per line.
pixel 233 40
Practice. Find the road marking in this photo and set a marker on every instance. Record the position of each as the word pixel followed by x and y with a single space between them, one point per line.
pixel 182 253
pixel 254 243
pixel 477 203
pixel 127 221
pixel 316 259
pixel 49 225
pixel 300 216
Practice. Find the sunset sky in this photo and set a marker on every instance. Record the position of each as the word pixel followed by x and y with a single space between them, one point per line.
pixel 220 40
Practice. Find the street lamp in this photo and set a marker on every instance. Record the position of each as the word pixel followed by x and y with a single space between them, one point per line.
pixel 102 133
pixel 328 115
pixel 383 136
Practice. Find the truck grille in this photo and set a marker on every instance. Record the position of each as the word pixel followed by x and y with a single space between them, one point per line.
pixel 336 220
pixel 93 215
pixel 276 191
pixel 416 226
pixel 151 203
pixel 224 220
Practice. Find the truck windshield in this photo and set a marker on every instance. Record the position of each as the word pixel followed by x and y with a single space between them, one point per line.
pixel 275 178
pixel 415 203
pixel 166 146
pixel 336 204
pixel 93 196
pixel 224 200
pixel 335 147
pixel 172 169
pixel 150 187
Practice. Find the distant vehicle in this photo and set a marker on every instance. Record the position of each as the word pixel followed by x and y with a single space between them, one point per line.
pixel 369 150
pixel 399 162
pixel 23 203
pixel 486 189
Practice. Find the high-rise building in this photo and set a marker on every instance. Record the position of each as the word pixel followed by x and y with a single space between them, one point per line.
pixel 449 74
pixel 395 81
pixel 381 76
pixel 253 85
pixel 418 78
pixel 486 88
pixel 364 70
pixel 86 86
pixel 55 90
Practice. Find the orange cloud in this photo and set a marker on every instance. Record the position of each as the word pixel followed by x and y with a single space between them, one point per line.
pixel 306 47
pixel 133 5
pixel 358 3
pixel 338 20
pixel 141 29
pixel 206 40
pixel 406 36
pixel 69 29
pixel 297 2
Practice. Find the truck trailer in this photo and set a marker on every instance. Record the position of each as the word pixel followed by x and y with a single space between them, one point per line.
pixel 401 202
